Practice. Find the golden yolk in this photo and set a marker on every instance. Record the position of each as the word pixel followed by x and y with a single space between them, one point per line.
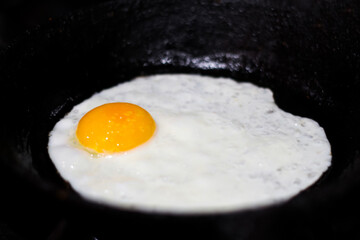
pixel 115 127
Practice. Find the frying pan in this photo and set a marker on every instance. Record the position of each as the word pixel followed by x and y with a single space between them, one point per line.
pixel 306 52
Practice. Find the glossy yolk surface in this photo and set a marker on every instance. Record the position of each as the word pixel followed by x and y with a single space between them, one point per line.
pixel 115 127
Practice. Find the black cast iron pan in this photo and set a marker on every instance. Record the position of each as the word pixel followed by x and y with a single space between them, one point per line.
pixel 307 52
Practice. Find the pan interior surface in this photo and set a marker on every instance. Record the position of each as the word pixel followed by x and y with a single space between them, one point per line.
pixel 306 53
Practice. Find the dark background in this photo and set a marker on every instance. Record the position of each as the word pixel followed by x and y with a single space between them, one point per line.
pixel 18 15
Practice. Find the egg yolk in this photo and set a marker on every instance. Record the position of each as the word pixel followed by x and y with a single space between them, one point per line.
pixel 115 127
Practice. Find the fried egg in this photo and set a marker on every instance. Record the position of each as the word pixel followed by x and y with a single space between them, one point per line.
pixel 186 143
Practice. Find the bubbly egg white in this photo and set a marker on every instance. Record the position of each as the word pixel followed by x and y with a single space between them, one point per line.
pixel 220 145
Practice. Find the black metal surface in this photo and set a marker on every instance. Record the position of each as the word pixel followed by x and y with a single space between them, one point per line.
pixel 307 52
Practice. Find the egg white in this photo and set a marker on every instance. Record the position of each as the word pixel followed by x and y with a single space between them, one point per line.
pixel 219 146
